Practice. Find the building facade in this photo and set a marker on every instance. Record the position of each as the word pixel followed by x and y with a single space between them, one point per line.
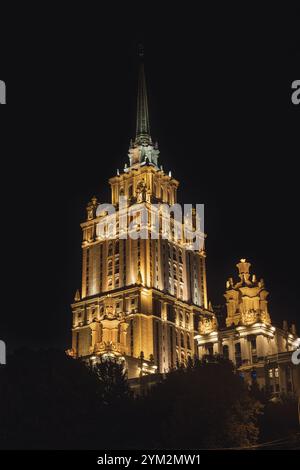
pixel 260 351
pixel 142 297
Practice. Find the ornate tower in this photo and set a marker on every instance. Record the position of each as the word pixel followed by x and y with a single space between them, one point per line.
pixel 142 297
pixel 246 300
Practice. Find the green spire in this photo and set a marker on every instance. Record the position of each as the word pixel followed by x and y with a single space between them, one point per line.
pixel 142 119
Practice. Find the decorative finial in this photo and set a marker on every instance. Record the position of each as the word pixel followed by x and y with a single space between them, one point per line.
pixel 77 296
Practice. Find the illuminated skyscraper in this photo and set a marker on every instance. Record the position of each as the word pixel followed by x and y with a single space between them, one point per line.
pixel 141 298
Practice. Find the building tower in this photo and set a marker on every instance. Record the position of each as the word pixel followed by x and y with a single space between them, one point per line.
pixel 142 298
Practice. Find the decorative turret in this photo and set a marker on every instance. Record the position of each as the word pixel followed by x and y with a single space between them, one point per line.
pixel 92 208
pixel 247 299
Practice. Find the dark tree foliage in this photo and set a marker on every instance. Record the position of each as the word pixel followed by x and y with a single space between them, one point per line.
pixel 113 382
pixel 50 401
pixel 205 405
pixel 280 418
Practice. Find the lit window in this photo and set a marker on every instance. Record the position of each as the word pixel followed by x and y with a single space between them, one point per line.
pixel 271 373
pixel 110 249
pixel 276 372
pixel 109 268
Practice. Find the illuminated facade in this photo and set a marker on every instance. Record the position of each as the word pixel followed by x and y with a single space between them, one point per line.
pixel 141 299
pixel 260 351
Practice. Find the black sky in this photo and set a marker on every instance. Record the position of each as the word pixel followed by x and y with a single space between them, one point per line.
pixel 219 85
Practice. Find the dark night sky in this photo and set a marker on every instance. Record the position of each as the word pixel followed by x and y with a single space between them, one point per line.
pixel 219 85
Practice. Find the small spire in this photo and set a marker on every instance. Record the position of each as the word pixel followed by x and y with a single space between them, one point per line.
pixel 77 296
pixel 139 279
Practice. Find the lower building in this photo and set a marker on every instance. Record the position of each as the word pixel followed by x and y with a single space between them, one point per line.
pixel 262 352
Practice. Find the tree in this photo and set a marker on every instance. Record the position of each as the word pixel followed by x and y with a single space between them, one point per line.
pixel 112 377
pixel 206 405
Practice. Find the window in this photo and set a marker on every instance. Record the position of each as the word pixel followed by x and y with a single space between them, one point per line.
pixel 130 191
pixel 182 358
pixel 182 340
pixel 181 292
pixel 253 349
pixel 226 351
pixel 174 271
pixel 117 248
pixel 110 249
pixel 271 373
pixel 238 354
pixel 188 342
pixel 109 268
pixel 276 371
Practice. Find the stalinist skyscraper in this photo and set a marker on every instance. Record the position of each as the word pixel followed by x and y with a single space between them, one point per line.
pixel 142 299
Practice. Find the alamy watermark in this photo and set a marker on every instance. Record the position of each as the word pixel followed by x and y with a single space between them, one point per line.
pixel 296 357
pixel 2 353
pixel 2 92
pixel 143 221
pixel 295 97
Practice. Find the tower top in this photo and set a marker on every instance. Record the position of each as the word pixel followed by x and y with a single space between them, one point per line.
pixel 142 136
pixel 142 151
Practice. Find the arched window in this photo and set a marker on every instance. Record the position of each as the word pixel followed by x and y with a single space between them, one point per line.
pixel 181 292
pixel 181 319
pixel 188 341
pixel 130 191
pixel 182 340
pixel 117 248
pixel 187 319
pixel 175 290
pixel 182 358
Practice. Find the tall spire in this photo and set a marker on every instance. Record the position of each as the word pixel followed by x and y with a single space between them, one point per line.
pixel 142 151
pixel 142 119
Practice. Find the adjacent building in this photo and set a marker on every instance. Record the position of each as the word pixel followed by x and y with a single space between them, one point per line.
pixel 260 351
